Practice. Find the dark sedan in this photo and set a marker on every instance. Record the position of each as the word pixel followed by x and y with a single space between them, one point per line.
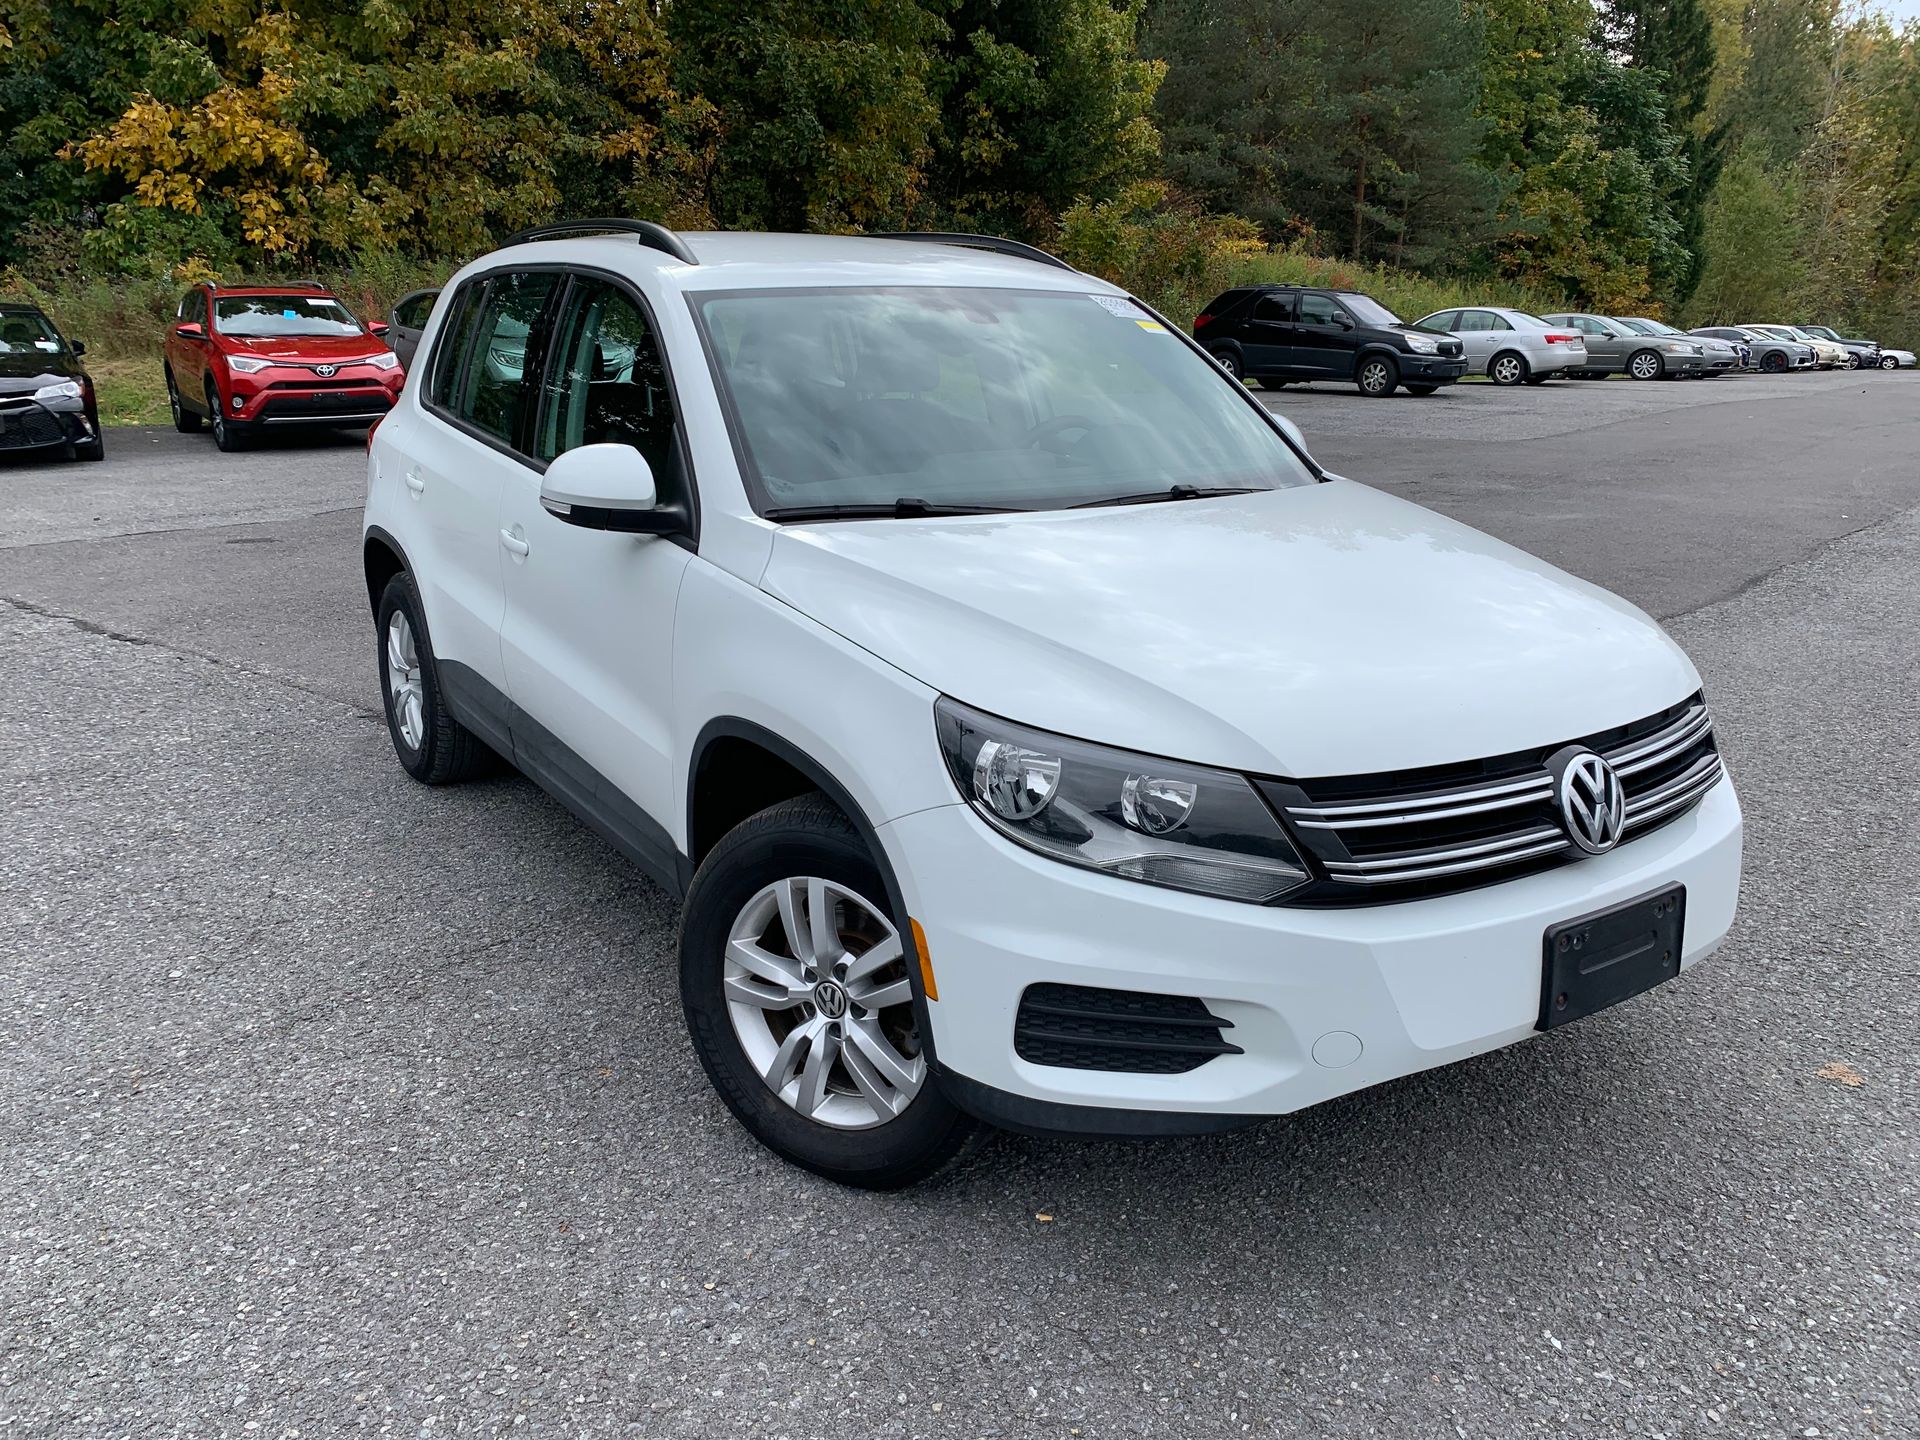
pixel 46 399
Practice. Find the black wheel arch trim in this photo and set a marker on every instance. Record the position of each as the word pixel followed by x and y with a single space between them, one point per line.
pixel 732 727
pixel 388 539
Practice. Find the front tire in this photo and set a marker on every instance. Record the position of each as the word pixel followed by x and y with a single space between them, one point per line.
pixel 797 981
pixel 184 420
pixel 1508 368
pixel 432 746
pixel 1645 365
pixel 1853 360
pixel 1887 362
pixel 1377 377
pixel 227 436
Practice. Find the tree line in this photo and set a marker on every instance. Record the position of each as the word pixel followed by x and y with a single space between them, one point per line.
pixel 1713 159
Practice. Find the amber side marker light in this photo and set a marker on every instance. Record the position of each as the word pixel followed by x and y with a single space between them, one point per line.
pixel 928 988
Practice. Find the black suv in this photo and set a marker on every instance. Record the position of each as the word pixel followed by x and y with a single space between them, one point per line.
pixel 1277 333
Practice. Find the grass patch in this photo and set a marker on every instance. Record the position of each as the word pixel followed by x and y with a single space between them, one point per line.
pixel 130 391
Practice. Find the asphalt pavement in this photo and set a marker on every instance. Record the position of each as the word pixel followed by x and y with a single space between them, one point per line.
pixel 332 1105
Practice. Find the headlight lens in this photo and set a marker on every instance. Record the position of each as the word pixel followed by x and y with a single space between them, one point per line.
pixel 1422 345
pixel 65 390
pixel 248 364
pixel 385 360
pixel 1142 818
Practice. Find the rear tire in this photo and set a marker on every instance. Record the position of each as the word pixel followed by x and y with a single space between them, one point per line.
pixel 1645 365
pixel 1508 368
pixel 1377 377
pixel 1538 379
pixel 432 746
pixel 1229 361
pixel 809 1090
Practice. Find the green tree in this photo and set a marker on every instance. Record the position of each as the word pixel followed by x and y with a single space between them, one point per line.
pixel 1752 271
pixel 825 108
pixel 1042 103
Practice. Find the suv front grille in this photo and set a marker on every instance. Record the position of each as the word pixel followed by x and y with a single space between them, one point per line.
pixel 1081 1027
pixel 1387 837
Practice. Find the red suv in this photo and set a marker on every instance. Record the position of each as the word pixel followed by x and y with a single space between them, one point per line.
pixel 249 356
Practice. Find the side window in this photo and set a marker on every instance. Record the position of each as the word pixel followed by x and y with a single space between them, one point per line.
pixel 412 312
pixel 1473 321
pixel 1497 322
pixel 605 383
pixel 1317 309
pixel 494 395
pixel 1445 320
pixel 1274 307
pixel 452 346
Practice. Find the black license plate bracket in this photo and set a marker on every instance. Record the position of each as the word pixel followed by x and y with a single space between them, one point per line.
pixel 1611 955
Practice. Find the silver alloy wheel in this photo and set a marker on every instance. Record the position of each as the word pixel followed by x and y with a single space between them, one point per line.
pixel 1506 369
pixel 1645 365
pixel 404 686
pixel 816 985
pixel 1887 362
pixel 1853 359
pixel 1373 377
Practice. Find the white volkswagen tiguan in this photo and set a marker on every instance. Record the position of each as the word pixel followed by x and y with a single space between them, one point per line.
pixel 1035 733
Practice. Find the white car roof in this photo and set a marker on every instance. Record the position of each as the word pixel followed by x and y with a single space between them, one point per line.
pixel 738 260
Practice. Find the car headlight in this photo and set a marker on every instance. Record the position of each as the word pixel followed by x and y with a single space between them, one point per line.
pixel 1422 345
pixel 507 359
pixel 65 390
pixel 1186 827
pixel 248 364
pixel 385 360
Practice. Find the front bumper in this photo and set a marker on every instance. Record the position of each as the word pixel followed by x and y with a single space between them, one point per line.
pixel 1432 369
pixel 1684 364
pixel 45 425
pixel 291 396
pixel 1322 1002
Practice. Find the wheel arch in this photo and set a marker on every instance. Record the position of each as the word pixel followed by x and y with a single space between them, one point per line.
pixel 382 558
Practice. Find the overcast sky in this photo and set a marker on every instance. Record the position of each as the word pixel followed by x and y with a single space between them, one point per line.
pixel 1900 9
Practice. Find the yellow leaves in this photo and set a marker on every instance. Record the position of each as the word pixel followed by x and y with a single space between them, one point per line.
pixel 1841 1073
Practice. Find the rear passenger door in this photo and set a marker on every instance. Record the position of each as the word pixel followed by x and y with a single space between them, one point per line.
pixel 1267 335
pixel 588 635
pixel 482 397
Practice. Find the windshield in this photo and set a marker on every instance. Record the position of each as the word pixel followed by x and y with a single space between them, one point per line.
pixel 26 332
pixel 1367 310
pixel 998 399
pixel 258 317
pixel 1822 331
pixel 1638 327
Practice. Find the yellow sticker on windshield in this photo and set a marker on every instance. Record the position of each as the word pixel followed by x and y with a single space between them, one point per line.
pixel 1153 325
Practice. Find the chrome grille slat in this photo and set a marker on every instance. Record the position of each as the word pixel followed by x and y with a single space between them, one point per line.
pixel 1490 850
pixel 1429 832
pixel 1643 755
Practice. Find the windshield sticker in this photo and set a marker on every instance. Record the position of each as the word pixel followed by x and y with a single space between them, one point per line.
pixel 1153 325
pixel 1119 305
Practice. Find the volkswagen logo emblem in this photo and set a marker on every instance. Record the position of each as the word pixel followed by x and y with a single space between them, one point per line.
pixel 323 371
pixel 1593 807
pixel 830 999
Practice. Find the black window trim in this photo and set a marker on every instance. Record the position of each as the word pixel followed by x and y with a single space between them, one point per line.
pixel 535 369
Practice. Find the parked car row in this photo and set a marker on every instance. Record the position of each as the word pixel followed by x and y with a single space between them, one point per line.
pixel 1278 334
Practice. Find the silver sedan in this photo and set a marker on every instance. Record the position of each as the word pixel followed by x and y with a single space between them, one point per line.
pixel 1510 347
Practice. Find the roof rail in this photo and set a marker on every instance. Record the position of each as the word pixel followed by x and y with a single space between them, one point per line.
pixel 1018 249
pixel 654 237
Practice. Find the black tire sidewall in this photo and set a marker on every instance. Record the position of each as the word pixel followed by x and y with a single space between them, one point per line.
pixel 1393 376
pixel 421 764
pixel 798 838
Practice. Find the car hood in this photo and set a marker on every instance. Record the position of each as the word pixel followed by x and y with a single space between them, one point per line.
pixel 1323 630
pixel 308 348
pixel 29 372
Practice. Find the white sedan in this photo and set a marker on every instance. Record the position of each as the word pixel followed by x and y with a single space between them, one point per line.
pixel 1511 347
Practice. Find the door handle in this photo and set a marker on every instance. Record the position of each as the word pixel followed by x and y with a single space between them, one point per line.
pixel 415 483
pixel 515 544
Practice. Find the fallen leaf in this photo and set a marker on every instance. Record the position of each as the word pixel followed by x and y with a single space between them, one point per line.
pixel 1043 1217
pixel 1841 1073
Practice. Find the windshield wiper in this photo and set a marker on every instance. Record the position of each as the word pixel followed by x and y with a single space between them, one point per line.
pixel 1175 492
pixel 905 508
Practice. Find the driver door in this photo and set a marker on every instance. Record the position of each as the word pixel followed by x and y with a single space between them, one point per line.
pixel 588 634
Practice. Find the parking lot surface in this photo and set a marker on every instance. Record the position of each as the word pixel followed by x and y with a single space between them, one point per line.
pixel 334 1105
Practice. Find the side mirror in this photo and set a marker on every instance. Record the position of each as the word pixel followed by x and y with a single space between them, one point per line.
pixel 79 347
pixel 607 487
pixel 378 327
pixel 190 330
pixel 1345 322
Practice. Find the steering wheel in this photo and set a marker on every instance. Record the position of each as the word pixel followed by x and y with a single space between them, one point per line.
pixel 1049 429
